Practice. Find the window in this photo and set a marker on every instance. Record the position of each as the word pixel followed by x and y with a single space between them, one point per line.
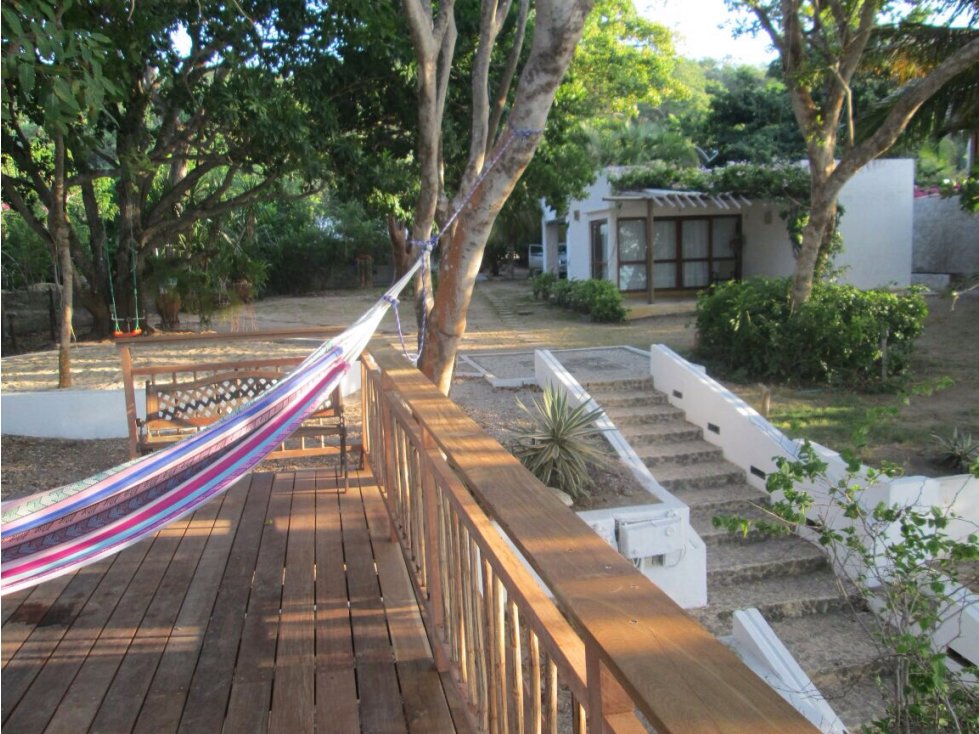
pixel 632 254
pixel 599 249
pixel 693 252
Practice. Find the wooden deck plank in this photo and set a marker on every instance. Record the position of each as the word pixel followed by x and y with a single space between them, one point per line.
pixel 293 698
pixel 426 708
pixel 42 640
pixel 158 636
pixel 23 610
pixel 211 684
pixel 139 667
pixel 337 708
pixel 81 702
pixel 35 707
pixel 380 697
pixel 251 690
pixel 164 701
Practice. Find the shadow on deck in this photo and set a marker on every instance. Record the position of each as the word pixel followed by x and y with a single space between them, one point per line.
pixel 283 607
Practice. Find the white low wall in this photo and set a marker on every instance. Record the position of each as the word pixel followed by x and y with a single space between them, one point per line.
pixel 80 414
pixel 85 414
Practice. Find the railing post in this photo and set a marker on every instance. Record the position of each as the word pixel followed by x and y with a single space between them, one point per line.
pixel 126 359
pixel 366 422
pixel 606 698
pixel 433 550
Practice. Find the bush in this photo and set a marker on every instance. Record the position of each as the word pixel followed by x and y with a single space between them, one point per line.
pixel 599 298
pixel 542 284
pixel 841 335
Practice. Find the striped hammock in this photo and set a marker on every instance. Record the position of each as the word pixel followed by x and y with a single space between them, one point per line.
pixel 56 532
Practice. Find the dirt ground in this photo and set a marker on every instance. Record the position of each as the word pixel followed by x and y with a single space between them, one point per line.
pixel 504 316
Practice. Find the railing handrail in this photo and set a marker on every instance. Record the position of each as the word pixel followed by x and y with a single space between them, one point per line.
pixel 677 674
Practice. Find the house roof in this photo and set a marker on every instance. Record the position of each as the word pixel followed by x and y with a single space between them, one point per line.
pixel 682 199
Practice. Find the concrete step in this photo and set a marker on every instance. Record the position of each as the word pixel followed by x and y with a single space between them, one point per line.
pixel 702 520
pixel 835 648
pixel 680 453
pixel 645 384
pixel 727 499
pixel 705 475
pixel 644 415
pixel 612 401
pixel 738 563
pixel 664 432
pixel 858 702
pixel 776 597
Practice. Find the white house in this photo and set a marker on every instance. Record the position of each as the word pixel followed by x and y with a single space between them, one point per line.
pixel 658 242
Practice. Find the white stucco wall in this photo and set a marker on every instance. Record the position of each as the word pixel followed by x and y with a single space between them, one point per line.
pixel 946 238
pixel 876 227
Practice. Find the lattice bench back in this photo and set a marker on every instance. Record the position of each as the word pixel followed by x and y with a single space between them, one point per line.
pixel 183 398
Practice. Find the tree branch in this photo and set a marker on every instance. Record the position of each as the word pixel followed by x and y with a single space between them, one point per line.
pixel 914 95
pixel 513 58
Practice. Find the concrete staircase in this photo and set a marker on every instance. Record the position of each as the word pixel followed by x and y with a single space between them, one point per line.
pixel 788 579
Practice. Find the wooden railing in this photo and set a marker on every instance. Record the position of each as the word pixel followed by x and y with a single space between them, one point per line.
pixel 609 652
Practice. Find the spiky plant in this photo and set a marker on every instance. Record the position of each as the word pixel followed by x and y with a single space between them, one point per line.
pixel 957 451
pixel 560 443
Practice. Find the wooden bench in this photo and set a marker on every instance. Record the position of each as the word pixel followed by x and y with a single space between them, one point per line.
pixel 184 397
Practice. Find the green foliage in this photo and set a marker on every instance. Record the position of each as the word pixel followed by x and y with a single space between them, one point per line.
pixel 311 245
pixel 25 256
pixel 561 443
pixel 750 118
pixel 542 285
pixel 966 189
pixel 906 565
pixel 780 182
pixel 842 335
pixel 598 298
pixel 957 450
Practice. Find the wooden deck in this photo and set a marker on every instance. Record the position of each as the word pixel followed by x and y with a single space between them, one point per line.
pixel 282 607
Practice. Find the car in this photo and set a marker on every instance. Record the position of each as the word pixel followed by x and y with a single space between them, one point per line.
pixel 535 259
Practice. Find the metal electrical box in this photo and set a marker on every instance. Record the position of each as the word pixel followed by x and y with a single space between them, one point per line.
pixel 650 536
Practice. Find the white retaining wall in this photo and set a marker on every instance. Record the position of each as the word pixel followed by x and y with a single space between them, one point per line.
pixel 657 537
pixel 750 442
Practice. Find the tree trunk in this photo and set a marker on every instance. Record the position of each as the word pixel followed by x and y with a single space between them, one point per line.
pixel 58 227
pixel 557 29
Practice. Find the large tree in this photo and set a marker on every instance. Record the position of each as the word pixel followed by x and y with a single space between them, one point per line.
pixel 822 45
pixel 54 90
pixel 502 138
pixel 195 130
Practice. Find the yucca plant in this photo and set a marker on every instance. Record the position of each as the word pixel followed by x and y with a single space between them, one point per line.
pixel 560 443
pixel 957 451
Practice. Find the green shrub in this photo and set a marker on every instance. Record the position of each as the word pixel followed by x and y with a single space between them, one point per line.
pixel 841 335
pixel 541 284
pixel 599 298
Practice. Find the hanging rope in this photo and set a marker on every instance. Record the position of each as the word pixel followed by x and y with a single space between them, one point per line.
pixel 513 133
pixel 117 329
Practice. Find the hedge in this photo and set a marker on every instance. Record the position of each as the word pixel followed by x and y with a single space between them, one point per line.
pixel 842 335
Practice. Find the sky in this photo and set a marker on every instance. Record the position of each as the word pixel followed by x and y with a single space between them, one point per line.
pixel 701 30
